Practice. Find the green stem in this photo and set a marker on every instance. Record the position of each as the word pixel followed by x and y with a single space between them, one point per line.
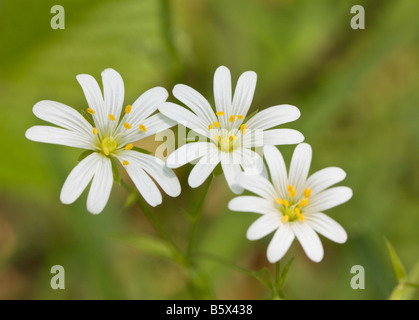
pixel 197 217
pixel 154 221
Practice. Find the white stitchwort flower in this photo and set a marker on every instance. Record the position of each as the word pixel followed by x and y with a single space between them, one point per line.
pixel 229 135
pixel 292 205
pixel 109 138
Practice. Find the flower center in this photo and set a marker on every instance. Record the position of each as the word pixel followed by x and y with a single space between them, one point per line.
pixel 109 145
pixel 226 141
pixel 292 208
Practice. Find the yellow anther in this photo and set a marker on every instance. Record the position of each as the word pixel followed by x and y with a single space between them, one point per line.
pixel 216 124
pixel 243 128
pixel 129 147
pixel 219 113
pixel 142 128
pixel 106 151
pixel 91 111
pixel 291 191
pixel 125 163
pixel 307 192
pixel 127 125
pixel 285 218
pixel 285 202
pixel 210 127
pixel 279 201
pixel 233 138
pixel 94 131
pixel 301 217
pixel 303 202
pixel 297 211
pixel 232 118
pixel 217 137
pixel 239 116
pixel 128 109
pixel 111 117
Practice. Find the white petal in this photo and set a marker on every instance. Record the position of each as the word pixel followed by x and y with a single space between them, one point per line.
pixel 195 101
pixel 59 136
pixel 273 116
pixel 243 95
pixel 222 93
pixel 185 117
pixel 187 153
pixel 231 170
pixel 325 178
pixel 328 199
pixel 203 169
pixel 113 92
pixel 309 240
pixel 300 165
pixel 277 137
pixel 252 163
pixel 280 243
pixel 252 204
pixel 79 178
pixel 143 182
pixel 154 124
pixel 258 185
pixel 327 227
pixel 101 187
pixel 277 169
pixel 94 99
pixel 156 168
pixel 63 116
pixel 263 226
pixel 146 105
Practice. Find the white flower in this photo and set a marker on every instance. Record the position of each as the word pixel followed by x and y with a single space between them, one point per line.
pixel 293 204
pixel 229 136
pixel 111 136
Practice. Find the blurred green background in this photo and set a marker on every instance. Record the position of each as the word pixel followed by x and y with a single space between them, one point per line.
pixel 358 91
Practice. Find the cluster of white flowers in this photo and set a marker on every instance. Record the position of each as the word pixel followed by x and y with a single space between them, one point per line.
pixel 291 204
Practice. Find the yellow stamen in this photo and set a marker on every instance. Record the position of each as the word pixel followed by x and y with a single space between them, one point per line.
pixel 307 192
pixel 127 125
pixel 94 131
pixel 301 217
pixel 111 117
pixel 243 128
pixel 285 202
pixel 239 116
pixel 210 127
pixel 219 113
pixel 232 118
pixel 129 147
pixel 285 218
pixel 303 202
pixel 91 111
pixel 217 137
pixel 297 211
pixel 216 124
pixel 233 138
pixel 125 163
pixel 291 191
pixel 128 109
pixel 279 201
pixel 142 128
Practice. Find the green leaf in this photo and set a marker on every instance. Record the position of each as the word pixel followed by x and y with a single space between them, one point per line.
pixel 149 245
pixel 398 267
pixel 141 150
pixel 84 155
pixel 285 273
pixel 116 171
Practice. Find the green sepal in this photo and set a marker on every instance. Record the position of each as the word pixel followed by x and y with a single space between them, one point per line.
pixel 116 171
pixel 218 170
pixel 398 267
pixel 141 150
pixel 84 155
pixel 250 116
